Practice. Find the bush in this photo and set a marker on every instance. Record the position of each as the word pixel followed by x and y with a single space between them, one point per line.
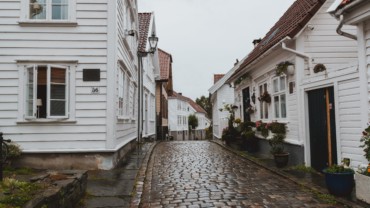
pixel 277 128
pixel 14 150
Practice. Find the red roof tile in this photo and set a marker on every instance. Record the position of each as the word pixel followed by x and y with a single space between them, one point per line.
pixel 289 25
pixel 165 62
pixel 217 77
pixel 144 24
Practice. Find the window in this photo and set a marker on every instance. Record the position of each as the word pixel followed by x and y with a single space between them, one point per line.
pixel 46 92
pixel 124 100
pixel 264 114
pixel 49 9
pixel 279 95
pixel 134 101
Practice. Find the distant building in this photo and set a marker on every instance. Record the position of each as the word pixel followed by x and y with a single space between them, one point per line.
pixel 163 91
pixel 180 107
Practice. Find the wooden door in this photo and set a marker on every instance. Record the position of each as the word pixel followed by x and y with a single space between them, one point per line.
pixel 322 128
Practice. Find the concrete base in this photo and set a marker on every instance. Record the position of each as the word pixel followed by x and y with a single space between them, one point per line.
pixel 296 156
pixel 76 161
pixel 362 187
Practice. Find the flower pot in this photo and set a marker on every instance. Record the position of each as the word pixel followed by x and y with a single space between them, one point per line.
pixel 339 184
pixel 362 187
pixel 281 160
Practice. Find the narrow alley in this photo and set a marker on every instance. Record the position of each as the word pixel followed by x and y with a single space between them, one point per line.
pixel 203 174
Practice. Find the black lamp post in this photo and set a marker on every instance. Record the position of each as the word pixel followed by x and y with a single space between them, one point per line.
pixel 153 42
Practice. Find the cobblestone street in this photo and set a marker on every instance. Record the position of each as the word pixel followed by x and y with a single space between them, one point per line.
pixel 203 174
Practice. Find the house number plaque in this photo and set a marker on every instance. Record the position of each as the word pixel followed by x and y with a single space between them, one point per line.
pixel 95 90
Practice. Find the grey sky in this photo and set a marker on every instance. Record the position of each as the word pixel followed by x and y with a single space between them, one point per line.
pixel 205 37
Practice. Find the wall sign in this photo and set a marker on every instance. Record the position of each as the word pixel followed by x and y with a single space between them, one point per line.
pixel 95 90
pixel 91 75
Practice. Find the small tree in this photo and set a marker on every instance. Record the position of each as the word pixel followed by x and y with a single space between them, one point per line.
pixel 192 122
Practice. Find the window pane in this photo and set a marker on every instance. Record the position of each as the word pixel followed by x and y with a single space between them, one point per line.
pixel 29 104
pixel 58 75
pixel 37 9
pixel 276 107
pixel 57 108
pixel 283 106
pixel 282 83
pixel 58 92
pixel 59 9
pixel 276 85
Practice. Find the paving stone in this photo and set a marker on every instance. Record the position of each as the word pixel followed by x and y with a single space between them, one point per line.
pixel 206 175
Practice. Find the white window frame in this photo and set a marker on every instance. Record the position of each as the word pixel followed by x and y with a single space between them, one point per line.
pixel 23 116
pixel 279 93
pixel 125 84
pixel 25 14
pixel 263 106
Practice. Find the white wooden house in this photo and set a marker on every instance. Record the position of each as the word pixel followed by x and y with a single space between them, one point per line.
pixel 319 100
pixel 150 70
pixel 357 13
pixel 221 94
pixel 179 109
pixel 68 80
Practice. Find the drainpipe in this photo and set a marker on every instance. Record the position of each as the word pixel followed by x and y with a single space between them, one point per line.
pixel 303 55
pixel 341 32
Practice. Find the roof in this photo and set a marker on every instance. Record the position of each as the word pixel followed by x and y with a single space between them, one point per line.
pixel 217 77
pixel 144 25
pixel 289 25
pixel 193 104
pixel 165 62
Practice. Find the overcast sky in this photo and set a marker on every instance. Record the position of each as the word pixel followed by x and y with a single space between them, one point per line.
pixel 205 37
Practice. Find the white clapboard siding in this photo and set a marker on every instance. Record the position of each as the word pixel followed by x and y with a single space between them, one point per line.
pixel 87 43
pixel 350 118
pixel 367 34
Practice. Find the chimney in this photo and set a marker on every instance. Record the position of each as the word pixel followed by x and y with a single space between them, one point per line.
pixel 256 42
pixel 217 77
pixel 180 93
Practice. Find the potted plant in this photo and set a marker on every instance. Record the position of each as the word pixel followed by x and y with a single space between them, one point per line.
pixel 284 67
pixel 250 141
pixel 339 180
pixel 281 157
pixel 265 97
pixel 362 176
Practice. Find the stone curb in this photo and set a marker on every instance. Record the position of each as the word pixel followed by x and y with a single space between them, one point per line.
pixel 140 178
pixel 276 171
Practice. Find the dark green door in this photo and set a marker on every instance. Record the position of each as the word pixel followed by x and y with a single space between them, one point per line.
pixel 322 129
pixel 246 104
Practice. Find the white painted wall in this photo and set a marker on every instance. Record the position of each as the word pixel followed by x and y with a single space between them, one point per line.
pixel 95 42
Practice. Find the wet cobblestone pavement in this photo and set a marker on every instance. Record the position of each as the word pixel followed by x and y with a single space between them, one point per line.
pixel 203 174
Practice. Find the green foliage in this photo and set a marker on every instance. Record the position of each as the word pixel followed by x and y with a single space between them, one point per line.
pixel 278 128
pixel 302 168
pixel 241 79
pixel 8 170
pixel 338 169
pixel 248 135
pixel 277 144
pixel 193 121
pixel 282 67
pixel 206 104
pixel 14 150
pixel 17 193
pixel 366 142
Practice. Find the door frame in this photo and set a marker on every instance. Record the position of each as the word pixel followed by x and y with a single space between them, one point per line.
pixel 305 120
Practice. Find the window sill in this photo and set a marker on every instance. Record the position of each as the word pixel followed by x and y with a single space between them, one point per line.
pixel 47 23
pixel 46 121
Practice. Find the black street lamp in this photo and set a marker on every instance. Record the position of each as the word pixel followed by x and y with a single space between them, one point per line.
pixel 153 42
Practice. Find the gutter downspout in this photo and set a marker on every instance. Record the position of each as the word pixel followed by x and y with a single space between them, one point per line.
pixel 341 32
pixel 303 55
